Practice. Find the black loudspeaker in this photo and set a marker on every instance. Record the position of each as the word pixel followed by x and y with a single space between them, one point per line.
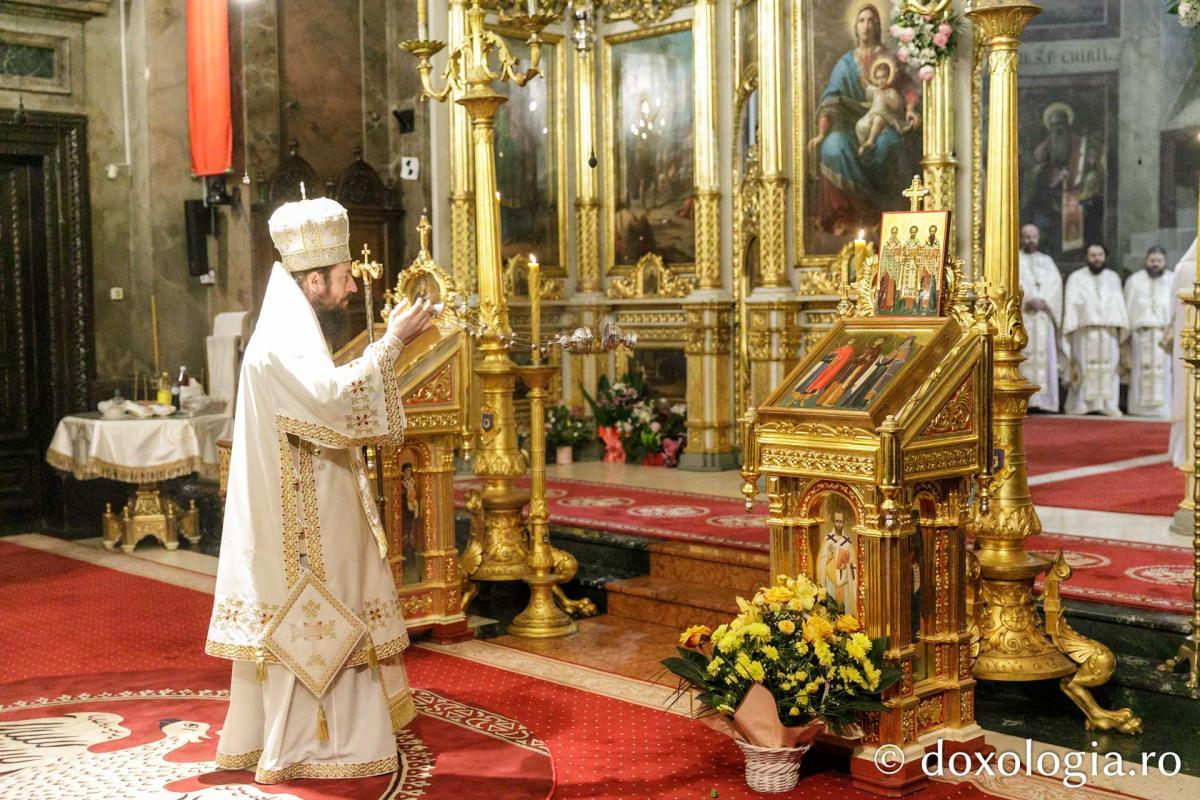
pixel 198 219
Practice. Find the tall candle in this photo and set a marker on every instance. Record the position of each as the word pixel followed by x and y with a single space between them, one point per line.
pixel 154 330
pixel 422 19
pixel 860 249
pixel 535 307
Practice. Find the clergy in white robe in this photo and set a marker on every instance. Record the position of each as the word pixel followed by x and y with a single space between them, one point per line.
pixel 300 510
pixel 1094 325
pixel 1042 284
pixel 1148 303
pixel 1183 282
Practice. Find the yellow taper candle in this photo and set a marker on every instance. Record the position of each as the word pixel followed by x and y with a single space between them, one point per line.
pixel 535 307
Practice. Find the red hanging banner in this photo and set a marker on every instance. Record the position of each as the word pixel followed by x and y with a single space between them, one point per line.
pixel 209 121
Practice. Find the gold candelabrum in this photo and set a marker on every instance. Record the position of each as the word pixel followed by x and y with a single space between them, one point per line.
pixel 498 549
pixel 541 619
pixel 1014 645
pixel 469 74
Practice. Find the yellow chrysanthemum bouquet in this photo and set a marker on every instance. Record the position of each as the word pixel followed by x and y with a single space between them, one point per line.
pixel 791 639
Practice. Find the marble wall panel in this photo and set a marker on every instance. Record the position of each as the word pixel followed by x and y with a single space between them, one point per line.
pixel 321 81
pixel 404 89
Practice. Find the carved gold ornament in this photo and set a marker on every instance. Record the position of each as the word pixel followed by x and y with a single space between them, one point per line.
pixel 650 278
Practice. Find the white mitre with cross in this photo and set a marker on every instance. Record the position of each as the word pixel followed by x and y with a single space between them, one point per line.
pixel 310 234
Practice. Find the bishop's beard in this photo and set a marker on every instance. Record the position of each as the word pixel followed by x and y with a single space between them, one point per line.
pixel 334 320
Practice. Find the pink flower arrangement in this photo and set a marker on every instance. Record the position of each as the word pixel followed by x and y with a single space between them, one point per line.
pixel 923 40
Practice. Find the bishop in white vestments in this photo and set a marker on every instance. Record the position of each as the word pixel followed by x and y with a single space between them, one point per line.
pixel 1043 287
pixel 1094 324
pixel 1148 303
pixel 1183 282
pixel 305 604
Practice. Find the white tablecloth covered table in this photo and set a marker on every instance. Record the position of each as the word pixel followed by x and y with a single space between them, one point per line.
pixel 138 450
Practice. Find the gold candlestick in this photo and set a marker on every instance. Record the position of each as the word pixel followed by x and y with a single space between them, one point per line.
pixel 1014 645
pixel 542 618
pixel 470 74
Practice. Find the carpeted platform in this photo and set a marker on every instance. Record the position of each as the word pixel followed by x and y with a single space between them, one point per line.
pixel 484 731
pixel 1155 489
pixel 1155 577
pixel 1120 573
pixel 1054 443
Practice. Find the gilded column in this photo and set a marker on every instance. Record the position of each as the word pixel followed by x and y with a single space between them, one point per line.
pixel 940 165
pixel 1014 644
pixel 772 204
pixel 462 198
pixel 709 314
pixel 587 198
pixel 588 303
pixel 1008 651
pixel 709 391
pixel 707 182
pixel 772 309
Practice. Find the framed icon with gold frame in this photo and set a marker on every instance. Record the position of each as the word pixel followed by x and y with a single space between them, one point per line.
pixel 865 369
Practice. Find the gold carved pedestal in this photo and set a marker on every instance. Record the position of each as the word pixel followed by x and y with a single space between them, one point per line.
pixel 894 478
pixel 1014 646
pixel 148 513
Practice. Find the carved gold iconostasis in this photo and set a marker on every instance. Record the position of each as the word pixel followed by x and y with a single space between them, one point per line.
pixel 667 174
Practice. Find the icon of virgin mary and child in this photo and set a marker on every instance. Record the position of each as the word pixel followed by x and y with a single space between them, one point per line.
pixel 869 106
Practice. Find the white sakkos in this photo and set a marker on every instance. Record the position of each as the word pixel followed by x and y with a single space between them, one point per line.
pixel 299 501
pixel 1094 323
pixel 1148 301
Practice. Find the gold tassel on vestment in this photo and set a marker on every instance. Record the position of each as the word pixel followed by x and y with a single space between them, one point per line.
pixel 322 725
pixel 260 667
pixel 373 659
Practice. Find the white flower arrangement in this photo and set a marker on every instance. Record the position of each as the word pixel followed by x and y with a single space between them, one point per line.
pixel 1188 12
pixel 924 40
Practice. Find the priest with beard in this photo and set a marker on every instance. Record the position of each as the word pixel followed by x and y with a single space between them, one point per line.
pixel 1148 302
pixel 1094 324
pixel 1043 308
pixel 305 605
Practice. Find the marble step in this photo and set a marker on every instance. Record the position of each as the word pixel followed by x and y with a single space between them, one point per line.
pixel 743 571
pixel 672 602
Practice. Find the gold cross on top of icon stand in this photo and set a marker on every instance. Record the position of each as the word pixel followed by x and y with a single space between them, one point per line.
pixel 424 229
pixel 916 193
pixel 366 269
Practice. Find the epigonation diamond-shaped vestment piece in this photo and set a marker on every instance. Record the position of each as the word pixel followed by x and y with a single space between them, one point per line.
pixel 303 541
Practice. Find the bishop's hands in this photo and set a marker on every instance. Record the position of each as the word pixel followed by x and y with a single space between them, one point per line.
pixel 410 319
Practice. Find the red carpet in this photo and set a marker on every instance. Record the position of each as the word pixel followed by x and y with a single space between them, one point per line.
pixel 1053 443
pixel 677 516
pixel 131 623
pixel 1122 573
pixel 155 735
pixel 62 616
pixel 146 729
pixel 1155 489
